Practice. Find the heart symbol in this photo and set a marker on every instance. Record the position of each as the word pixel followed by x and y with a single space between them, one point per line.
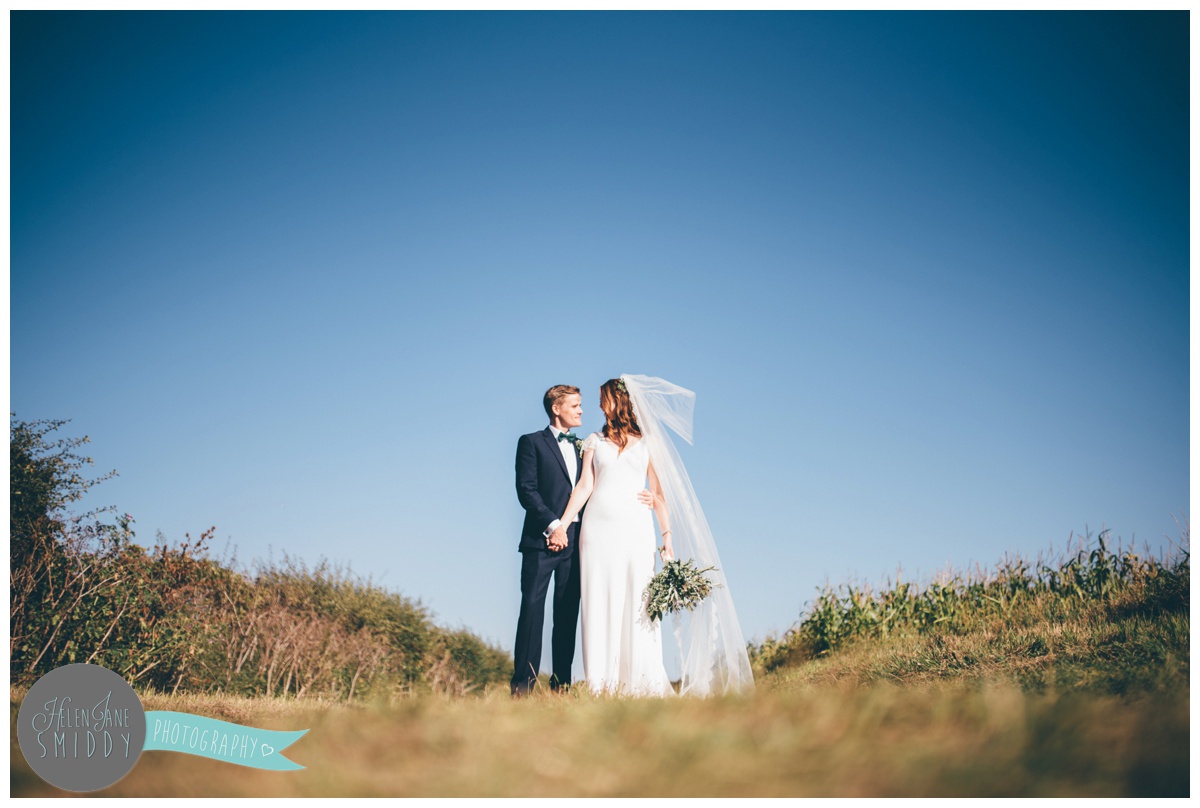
pixel 267 749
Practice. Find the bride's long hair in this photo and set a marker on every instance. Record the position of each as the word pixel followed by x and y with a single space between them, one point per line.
pixel 620 424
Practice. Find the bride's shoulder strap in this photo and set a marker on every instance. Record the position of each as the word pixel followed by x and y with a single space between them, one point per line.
pixel 591 441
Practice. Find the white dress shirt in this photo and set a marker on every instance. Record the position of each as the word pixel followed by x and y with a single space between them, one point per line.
pixel 569 454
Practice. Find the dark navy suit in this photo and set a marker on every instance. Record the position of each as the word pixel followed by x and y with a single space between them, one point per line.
pixel 543 488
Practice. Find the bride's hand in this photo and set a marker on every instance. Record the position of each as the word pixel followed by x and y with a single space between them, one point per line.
pixel 666 552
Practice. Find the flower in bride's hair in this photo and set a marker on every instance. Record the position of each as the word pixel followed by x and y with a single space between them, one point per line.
pixel 621 386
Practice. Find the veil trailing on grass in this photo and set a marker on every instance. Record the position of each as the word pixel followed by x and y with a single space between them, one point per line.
pixel 711 647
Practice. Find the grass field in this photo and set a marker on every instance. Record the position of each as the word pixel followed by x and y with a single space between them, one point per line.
pixel 1046 691
pixel 885 740
pixel 813 732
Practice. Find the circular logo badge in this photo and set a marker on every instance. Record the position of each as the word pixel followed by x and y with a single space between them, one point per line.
pixel 81 727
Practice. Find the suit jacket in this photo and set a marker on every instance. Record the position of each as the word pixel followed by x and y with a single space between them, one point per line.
pixel 543 487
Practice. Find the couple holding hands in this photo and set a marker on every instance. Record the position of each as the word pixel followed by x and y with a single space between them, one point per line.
pixel 589 525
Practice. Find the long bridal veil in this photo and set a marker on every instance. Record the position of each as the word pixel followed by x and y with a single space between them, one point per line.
pixel 712 650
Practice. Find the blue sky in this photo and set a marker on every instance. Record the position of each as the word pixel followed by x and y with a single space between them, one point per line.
pixel 305 277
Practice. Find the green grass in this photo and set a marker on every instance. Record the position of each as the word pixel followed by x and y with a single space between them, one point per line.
pixel 1129 655
pixel 1092 586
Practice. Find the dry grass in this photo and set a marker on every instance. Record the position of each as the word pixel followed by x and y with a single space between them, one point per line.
pixel 1055 698
pixel 787 740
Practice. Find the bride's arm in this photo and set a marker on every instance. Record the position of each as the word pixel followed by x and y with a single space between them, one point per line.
pixel 660 509
pixel 583 489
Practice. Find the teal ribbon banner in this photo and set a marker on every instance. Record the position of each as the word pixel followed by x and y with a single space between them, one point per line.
pixel 220 740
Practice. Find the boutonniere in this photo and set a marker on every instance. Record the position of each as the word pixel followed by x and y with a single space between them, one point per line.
pixel 578 446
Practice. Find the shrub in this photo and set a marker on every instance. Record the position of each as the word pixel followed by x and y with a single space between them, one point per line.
pixel 173 618
pixel 1016 592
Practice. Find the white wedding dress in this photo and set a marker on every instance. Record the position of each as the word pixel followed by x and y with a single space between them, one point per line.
pixel 622 647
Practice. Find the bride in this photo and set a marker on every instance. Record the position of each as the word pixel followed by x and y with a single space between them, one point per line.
pixel 622 647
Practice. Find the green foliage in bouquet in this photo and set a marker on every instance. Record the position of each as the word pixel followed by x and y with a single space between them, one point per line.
pixel 678 585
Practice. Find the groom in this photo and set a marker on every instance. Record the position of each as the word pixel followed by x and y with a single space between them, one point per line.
pixel 548 466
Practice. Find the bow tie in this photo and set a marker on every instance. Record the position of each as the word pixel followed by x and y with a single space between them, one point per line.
pixel 567 436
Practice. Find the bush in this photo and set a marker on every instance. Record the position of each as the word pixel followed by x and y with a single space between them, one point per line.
pixel 1015 593
pixel 172 618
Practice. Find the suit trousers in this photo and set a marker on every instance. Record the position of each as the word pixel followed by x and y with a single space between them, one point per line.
pixel 537 568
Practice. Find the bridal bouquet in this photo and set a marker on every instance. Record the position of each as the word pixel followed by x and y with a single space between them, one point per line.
pixel 677 586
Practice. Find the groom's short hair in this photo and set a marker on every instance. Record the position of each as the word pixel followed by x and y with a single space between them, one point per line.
pixel 556 394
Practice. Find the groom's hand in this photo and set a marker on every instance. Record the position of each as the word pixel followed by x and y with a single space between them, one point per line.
pixel 558 539
pixel 646 498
